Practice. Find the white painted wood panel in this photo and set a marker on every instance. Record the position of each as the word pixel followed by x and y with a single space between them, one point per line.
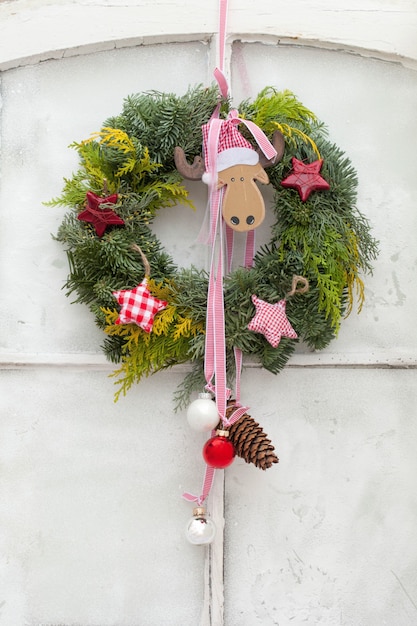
pixel 41 29
pixel 327 536
pixel 45 108
pixel 92 518
pixel 369 108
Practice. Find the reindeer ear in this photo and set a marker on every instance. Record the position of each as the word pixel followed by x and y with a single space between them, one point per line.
pixel 262 176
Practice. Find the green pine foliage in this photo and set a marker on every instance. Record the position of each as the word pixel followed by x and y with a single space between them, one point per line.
pixel 325 239
pixel 144 353
pixel 163 121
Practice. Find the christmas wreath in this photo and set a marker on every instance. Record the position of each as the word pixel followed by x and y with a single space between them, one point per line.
pixel 117 266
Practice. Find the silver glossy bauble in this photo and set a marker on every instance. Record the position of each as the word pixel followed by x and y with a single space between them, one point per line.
pixel 200 530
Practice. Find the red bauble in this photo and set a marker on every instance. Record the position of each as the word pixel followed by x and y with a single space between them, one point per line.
pixel 219 452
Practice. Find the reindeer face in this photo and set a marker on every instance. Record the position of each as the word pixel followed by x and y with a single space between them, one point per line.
pixel 243 205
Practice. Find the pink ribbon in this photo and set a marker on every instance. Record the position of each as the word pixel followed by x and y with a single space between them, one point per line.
pixel 250 248
pixel 206 488
pixel 258 134
pixel 222 82
pixel 215 342
pixel 218 72
pixel 239 409
pixel 215 348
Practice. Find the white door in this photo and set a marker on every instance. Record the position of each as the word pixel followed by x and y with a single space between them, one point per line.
pixel 92 520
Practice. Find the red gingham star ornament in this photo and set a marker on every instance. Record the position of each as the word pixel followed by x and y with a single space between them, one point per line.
pixel 305 177
pixel 271 321
pixel 99 214
pixel 139 306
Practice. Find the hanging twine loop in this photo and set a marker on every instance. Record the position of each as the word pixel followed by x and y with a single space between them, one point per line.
pixel 145 261
pixel 295 289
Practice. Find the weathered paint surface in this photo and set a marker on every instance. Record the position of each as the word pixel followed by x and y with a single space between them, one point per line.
pixel 376 27
pixel 91 515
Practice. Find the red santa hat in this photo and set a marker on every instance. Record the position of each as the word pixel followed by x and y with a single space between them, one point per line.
pixel 232 149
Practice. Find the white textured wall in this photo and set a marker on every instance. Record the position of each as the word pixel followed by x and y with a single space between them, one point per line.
pixel 91 518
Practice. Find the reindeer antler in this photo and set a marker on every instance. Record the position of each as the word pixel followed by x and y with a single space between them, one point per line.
pixel 191 172
pixel 195 170
pixel 278 142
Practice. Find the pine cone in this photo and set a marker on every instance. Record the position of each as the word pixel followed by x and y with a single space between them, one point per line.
pixel 250 441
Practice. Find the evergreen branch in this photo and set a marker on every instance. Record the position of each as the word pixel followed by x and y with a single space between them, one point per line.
pixel 326 239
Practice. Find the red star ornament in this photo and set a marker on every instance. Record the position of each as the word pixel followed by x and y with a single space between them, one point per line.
pixel 139 306
pixel 305 177
pixel 271 321
pixel 100 217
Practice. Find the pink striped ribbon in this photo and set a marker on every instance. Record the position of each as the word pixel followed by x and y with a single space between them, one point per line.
pixel 215 343
pixel 258 134
pixel 215 348
pixel 207 485
pixel 249 248
pixel 218 72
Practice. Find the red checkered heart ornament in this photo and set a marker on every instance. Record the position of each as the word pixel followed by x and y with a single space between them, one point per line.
pixel 139 306
pixel 271 321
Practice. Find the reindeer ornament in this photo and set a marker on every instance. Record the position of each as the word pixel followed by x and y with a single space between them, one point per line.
pixel 238 167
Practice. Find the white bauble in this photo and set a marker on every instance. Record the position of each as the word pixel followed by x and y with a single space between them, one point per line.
pixel 202 413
